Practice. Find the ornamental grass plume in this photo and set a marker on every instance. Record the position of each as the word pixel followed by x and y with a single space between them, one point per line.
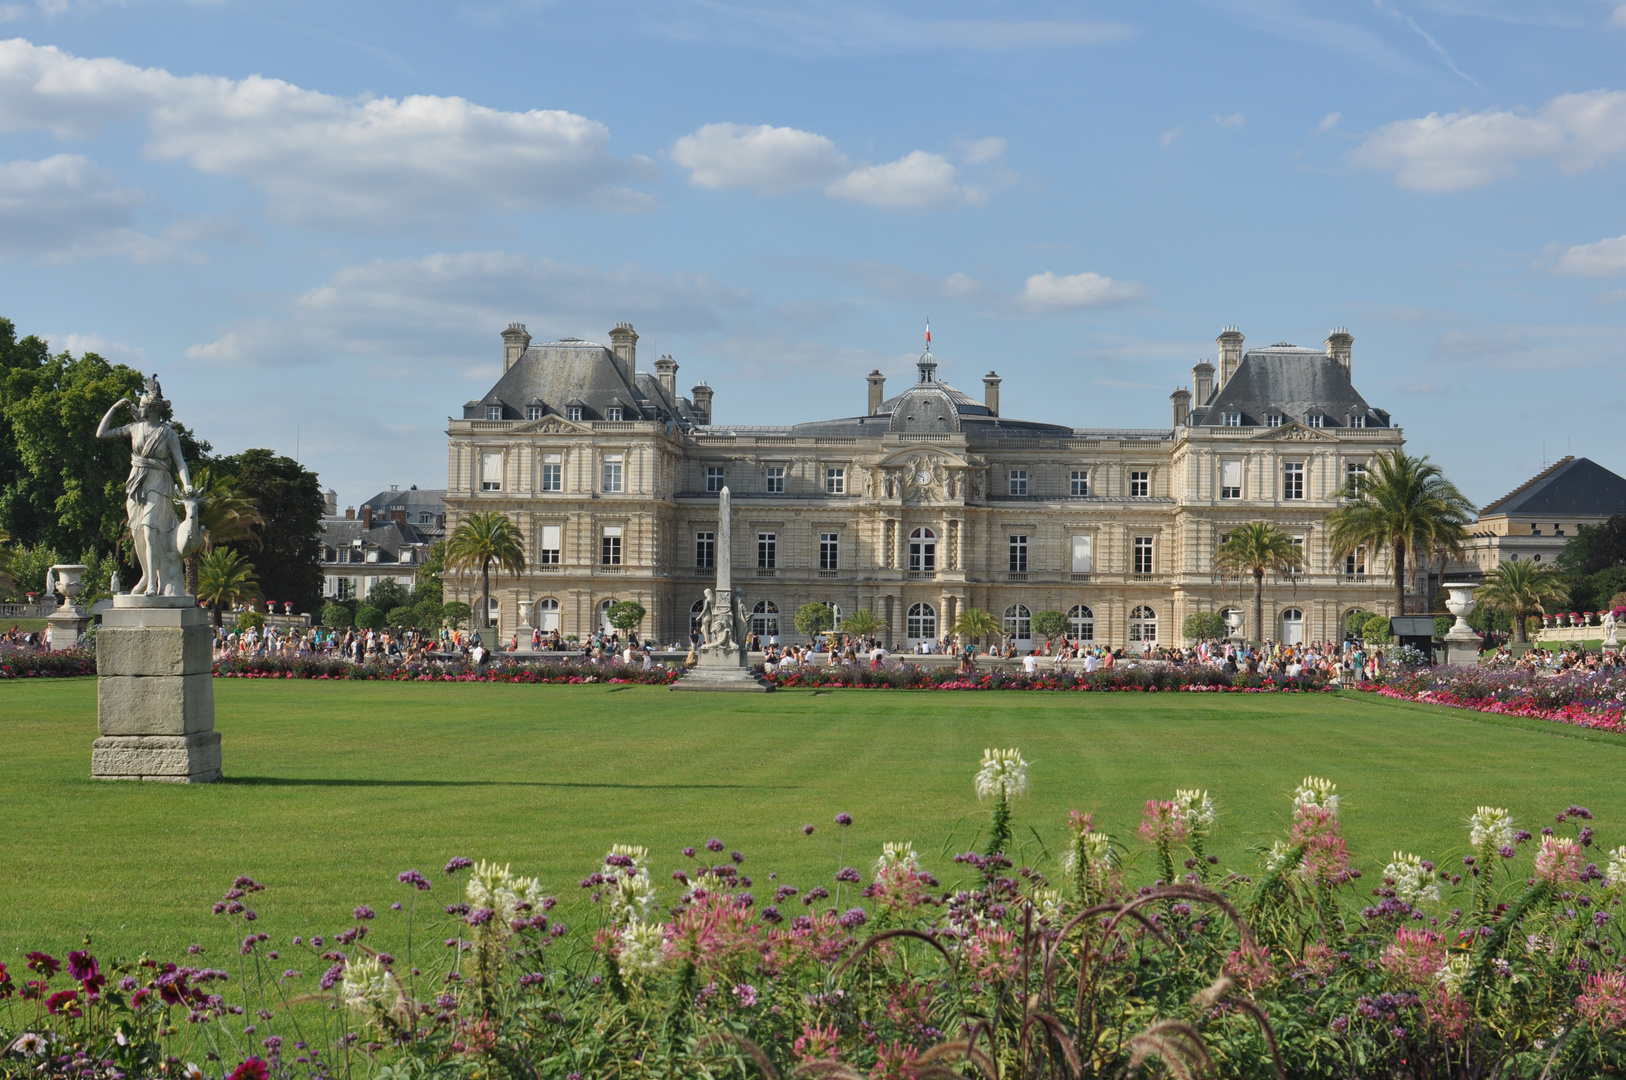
pixel 1413 879
pixel 1558 862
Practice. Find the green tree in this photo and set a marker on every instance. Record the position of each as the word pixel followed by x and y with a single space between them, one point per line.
pixel 387 593
pixel 288 499
pixel 1050 625
pixel 431 573
pixel 1594 548
pixel 400 615
pixel 626 615
pixel 246 619
pixel 226 515
pixel 1354 621
pixel 1405 506
pixel 455 613
pixel 370 618
pixel 6 558
pixel 337 615
pixel 482 541
pixel 1376 629
pixel 975 624
pixel 862 623
pixel 1250 551
pixel 1205 626
pixel 426 614
pixel 1521 585
pixel 226 579
pixel 813 619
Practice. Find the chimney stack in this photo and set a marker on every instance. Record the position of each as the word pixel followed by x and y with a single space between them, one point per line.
pixel 702 402
pixel 666 370
pixel 1181 400
pixel 366 517
pixel 1230 343
pixel 398 516
pixel 1202 382
pixel 350 513
pixel 624 343
pixel 877 390
pixel 990 391
pixel 1340 343
pixel 515 340
pixel 330 503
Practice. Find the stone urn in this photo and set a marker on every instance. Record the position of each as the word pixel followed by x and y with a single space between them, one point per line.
pixel 1461 643
pixel 1460 602
pixel 287 607
pixel 69 580
pixel 1233 623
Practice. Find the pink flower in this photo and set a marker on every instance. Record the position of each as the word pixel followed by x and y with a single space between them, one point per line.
pixel 1415 956
pixel 992 954
pixel 1162 823
pixel 1558 861
pixel 816 1043
pixel 1603 1000
pixel 1249 967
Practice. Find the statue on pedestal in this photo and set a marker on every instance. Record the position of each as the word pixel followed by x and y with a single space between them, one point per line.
pixel 725 657
pixel 149 493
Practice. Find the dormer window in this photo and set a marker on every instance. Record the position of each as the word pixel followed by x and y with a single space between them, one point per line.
pixel 613 413
pixel 1358 420
pixel 573 412
pixel 1273 419
pixel 533 412
pixel 1315 419
pixel 493 412
pixel 1231 419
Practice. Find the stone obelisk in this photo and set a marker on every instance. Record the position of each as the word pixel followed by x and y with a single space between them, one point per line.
pixel 725 658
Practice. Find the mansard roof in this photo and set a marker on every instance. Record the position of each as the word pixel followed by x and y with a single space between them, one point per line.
pixel 387 536
pixel 1572 488
pixel 1293 382
pixel 572 371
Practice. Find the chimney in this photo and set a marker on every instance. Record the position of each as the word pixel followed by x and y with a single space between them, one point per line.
pixel 350 513
pixel 702 402
pixel 398 516
pixel 330 503
pixel 1202 381
pixel 366 517
pixel 624 343
pixel 1181 400
pixel 1339 345
pixel 1230 343
pixel 666 371
pixel 877 390
pixel 990 392
pixel 514 342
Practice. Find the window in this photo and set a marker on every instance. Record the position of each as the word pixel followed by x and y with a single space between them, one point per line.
pixel 426 518
pixel 1083 561
pixel 372 554
pixel 490 472
pixel 533 412
pixel 1079 483
pixel 613 413
pixel 1143 624
pixel 1293 480
pixel 494 606
pixel 493 412
pixel 553 472
pixel 705 550
pixel 1273 419
pixel 1140 484
pixel 1298 549
pixel 765 619
pixel 1355 563
pixel 1231 419
pixel 776 480
pixel 1081 620
pixel 1019 554
pixel 695 610
pixel 405 556
pixel 835 481
pixel 922 552
pixel 604 617
pixel 1143 554
pixel 1019 623
pixel 549 554
pixel 767 551
pixel 612 472
pixel 1315 419
pixel 1292 627
pixel 921 624
pixel 829 550
pixel 1355 476
pixel 547 615
pixel 714 478
pixel 1358 420
pixel 344 555
pixel 611 546
pixel 1019 481
pixel 573 412
pixel 1230 479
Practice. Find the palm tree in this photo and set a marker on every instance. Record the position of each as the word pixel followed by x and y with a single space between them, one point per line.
pixel 226 515
pixel 1520 586
pixel 481 540
pixel 226 579
pixel 1250 551
pixel 862 623
pixel 1405 505
pixel 974 624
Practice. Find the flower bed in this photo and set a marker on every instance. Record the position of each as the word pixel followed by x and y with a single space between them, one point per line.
pixel 1585 699
pixel 38 664
pixel 559 672
pixel 1149 678
pixel 1092 963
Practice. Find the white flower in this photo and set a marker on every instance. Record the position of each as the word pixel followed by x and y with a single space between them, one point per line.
pixel 1414 884
pixel 30 1044
pixel 1097 852
pixel 639 855
pixel 1617 866
pixel 1452 975
pixel 633 896
pixel 1490 828
pixel 1199 811
pixel 485 881
pixel 643 948
pixel 1276 857
pixel 1048 902
pixel 1315 791
pixel 192 1072
pixel 901 854
pixel 369 986
pixel 1004 775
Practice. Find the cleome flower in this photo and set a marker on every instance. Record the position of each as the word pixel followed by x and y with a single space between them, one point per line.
pixel 1276 857
pixel 1559 860
pixel 1198 809
pixel 369 987
pixel 897 856
pixel 1617 866
pixel 631 890
pixel 1315 791
pixel 1490 828
pixel 642 948
pixel 495 889
pixel 1097 852
pixel 1004 775
pixel 1603 1000
pixel 1414 883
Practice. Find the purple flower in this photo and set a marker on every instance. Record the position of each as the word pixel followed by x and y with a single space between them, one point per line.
pixel 1339 1025
pixel 770 914
pixel 363 912
pixel 747 995
pixel 273 1043
pixel 817 892
pixel 331 977
pixel 714 844
pixel 736 856
pixel 81 966
pixel 459 863
pixel 781 894
pixel 854 918
pixel 479 916
pixel 844 819
pixel 689 852
pixel 807 830
pixel 848 874
pixel 415 879
pixel 396 906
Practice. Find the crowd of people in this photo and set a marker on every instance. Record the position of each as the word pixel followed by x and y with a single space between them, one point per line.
pixel 1574 657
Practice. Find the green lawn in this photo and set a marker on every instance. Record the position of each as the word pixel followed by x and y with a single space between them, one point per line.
pixel 336 787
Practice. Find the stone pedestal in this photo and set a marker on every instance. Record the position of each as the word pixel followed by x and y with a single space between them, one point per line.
pixel 155 699
pixel 1461 643
pixel 728 673
pixel 68 624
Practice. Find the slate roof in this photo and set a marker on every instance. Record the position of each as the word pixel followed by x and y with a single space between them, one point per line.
pixel 1292 381
pixel 416 502
pixel 388 536
pixel 1572 488
pixel 571 371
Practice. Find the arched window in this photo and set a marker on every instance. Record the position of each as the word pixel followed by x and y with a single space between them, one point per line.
pixel 765 619
pixel 604 617
pixel 923 551
pixel 494 606
pixel 1019 623
pixel 1082 621
pixel 922 623
pixel 694 615
pixel 547 615
pixel 1292 627
pixel 1143 624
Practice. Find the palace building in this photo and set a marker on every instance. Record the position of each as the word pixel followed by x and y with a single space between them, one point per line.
pixel 924 503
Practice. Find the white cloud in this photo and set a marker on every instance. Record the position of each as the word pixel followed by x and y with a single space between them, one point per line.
pixel 1166 140
pixel 325 160
pixel 982 151
pixel 1052 292
pixel 11 12
pixel 767 160
pixel 1618 18
pixel 1235 120
pixel 916 181
pixel 1463 150
pixel 66 208
pixel 1606 258
pixel 117 351
pixel 1329 121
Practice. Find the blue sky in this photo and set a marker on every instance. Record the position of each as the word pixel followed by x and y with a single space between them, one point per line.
pixel 313 219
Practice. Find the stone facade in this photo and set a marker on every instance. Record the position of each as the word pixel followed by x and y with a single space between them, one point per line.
pixel 922 505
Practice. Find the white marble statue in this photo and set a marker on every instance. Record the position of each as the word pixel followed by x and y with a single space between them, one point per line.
pixel 149 493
